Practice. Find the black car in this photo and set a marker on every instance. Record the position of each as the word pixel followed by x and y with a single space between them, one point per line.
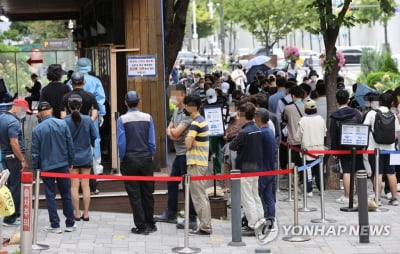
pixel 352 56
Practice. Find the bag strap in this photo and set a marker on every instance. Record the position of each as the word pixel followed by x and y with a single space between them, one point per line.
pixel 298 110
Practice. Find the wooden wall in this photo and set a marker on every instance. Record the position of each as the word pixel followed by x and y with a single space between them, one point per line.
pixel 143 30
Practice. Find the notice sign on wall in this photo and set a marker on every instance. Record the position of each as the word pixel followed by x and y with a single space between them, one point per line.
pixel 141 66
pixel 354 135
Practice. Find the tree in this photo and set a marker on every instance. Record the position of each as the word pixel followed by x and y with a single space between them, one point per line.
pixel 205 25
pixel 330 21
pixel 174 30
pixel 265 19
pixel 370 12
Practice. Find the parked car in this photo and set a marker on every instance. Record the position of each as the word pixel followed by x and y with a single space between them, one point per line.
pixel 190 58
pixel 353 54
pixel 306 53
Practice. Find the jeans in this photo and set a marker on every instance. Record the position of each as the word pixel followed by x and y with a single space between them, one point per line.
pixel 14 184
pixel 140 193
pixel 179 168
pixel 64 187
pixel 314 173
pixel 267 195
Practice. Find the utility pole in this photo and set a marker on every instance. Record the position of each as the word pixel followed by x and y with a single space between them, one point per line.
pixel 195 35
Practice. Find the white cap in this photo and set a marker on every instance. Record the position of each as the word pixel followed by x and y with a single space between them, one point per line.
pixel 225 87
pixel 211 96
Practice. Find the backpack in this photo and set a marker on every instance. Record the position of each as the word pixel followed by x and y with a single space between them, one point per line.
pixel 384 127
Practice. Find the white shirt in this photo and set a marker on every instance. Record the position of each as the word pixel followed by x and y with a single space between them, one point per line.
pixel 311 133
pixel 370 120
pixel 239 77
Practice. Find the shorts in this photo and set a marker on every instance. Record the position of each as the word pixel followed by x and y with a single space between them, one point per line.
pixel 347 163
pixel 84 166
pixel 384 164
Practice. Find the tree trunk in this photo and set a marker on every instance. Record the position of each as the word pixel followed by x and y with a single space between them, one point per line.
pixel 174 31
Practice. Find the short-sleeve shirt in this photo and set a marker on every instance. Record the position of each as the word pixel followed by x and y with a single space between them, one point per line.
pixel 198 154
pixel 10 128
pixel 88 101
pixel 178 118
pixel 370 120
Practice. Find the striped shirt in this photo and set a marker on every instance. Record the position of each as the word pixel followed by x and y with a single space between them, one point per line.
pixel 198 154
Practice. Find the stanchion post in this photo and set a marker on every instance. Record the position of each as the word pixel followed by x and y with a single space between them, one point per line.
pixel 363 206
pixel 295 237
pixel 278 165
pixel 322 194
pixel 236 211
pixel 26 207
pixel 186 248
pixel 289 198
pixel 35 245
pixel 116 116
pixel 305 180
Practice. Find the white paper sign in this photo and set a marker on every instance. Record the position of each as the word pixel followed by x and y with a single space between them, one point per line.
pixel 354 135
pixel 141 66
pixel 394 159
pixel 213 116
pixel 309 174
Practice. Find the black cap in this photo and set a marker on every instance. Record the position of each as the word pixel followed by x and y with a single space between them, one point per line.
pixel 44 105
pixel 56 68
pixel 77 78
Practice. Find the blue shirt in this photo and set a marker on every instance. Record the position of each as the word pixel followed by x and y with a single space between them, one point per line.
pixel 10 128
pixel 135 134
pixel 248 144
pixel 83 136
pixel 268 149
pixel 93 85
pixel 52 145
pixel 274 99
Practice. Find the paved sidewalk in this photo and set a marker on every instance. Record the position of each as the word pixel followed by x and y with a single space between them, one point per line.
pixel 110 233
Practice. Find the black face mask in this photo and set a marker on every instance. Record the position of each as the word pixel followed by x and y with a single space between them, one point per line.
pixel 186 112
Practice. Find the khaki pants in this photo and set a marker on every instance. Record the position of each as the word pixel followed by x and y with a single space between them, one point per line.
pixel 200 198
pixel 251 201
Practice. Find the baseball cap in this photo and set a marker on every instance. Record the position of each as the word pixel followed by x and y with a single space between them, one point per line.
pixel 132 97
pixel 74 101
pixel 310 104
pixel 225 87
pixel 56 69
pixel 211 96
pixel 22 103
pixel 77 77
pixel 281 74
pixel 44 105
pixel 84 65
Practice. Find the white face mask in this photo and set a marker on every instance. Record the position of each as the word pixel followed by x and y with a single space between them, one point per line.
pixel 21 115
pixel 232 114
pixel 314 78
pixel 196 80
pixel 174 100
pixel 201 85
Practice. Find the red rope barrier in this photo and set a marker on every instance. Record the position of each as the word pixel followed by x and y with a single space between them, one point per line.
pixel 166 178
pixel 340 152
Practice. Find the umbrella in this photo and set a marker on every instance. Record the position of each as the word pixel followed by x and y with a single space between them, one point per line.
pixel 361 91
pixel 257 61
pixel 251 73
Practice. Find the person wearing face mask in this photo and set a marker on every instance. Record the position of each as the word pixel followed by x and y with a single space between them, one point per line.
pixel 176 131
pixel 313 79
pixel 13 153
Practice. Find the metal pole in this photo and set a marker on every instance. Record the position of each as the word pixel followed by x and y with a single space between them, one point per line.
pixel 289 198
pixel 376 182
pixel 278 165
pixel 186 248
pixel 322 194
pixel 116 116
pixel 236 212
pixel 296 237
pixel 305 180
pixel 35 245
pixel 363 206
pixel 26 207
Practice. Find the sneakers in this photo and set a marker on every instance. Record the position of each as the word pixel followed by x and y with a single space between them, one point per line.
pixel 200 232
pixel 394 202
pixel 247 231
pixel 388 196
pixel 139 231
pixel 192 225
pixel 12 224
pixel 151 228
pixel 71 229
pixel 342 200
pixel 52 230
pixel 165 218
pixel 310 194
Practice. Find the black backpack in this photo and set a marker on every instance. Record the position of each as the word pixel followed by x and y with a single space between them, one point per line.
pixel 384 127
